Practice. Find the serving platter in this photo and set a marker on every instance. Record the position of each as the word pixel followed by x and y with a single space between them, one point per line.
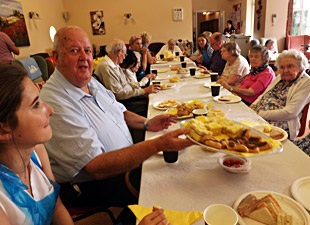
pixel 289 205
pixel 262 127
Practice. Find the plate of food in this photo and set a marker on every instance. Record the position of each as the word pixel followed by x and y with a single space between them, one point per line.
pixel 183 71
pixel 201 76
pixel 227 99
pixel 230 137
pixel 217 109
pixel 165 86
pixel 163 71
pixel 185 109
pixel 275 133
pixel 300 190
pixel 266 207
pixel 165 105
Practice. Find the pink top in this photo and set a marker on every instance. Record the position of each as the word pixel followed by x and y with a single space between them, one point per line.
pixel 5 45
pixel 258 83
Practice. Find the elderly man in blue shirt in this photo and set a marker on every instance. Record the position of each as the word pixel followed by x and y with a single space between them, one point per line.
pixel 91 148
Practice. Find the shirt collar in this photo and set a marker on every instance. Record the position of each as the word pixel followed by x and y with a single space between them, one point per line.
pixel 110 62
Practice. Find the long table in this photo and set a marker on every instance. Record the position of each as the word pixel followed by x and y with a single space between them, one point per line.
pixel 196 180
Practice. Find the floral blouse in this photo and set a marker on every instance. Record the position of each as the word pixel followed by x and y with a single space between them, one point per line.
pixel 276 99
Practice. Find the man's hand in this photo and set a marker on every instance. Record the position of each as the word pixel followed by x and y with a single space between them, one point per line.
pixel 151 89
pixel 160 122
pixel 151 76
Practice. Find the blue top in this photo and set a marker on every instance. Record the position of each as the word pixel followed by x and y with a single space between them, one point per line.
pixel 38 212
pixel 84 126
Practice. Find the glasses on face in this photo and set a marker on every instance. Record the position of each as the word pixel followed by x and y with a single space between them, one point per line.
pixel 213 43
pixel 125 54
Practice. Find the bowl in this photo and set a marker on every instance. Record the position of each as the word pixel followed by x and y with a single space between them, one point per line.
pixel 220 214
pixel 235 164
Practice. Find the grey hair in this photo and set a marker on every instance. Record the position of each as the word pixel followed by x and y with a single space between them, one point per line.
pixel 115 46
pixel 298 56
pixel 263 50
pixel 233 48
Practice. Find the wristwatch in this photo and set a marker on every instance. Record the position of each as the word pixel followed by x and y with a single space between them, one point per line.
pixel 231 89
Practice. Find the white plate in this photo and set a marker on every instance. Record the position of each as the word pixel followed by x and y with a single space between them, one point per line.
pixel 301 191
pixel 288 204
pixel 163 71
pixel 155 105
pixel 261 129
pixel 161 62
pixel 162 77
pixel 208 85
pixel 254 132
pixel 201 76
pixel 232 99
pixel 165 86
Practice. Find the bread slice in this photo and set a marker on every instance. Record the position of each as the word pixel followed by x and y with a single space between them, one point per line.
pixel 263 214
pixel 247 205
pixel 276 134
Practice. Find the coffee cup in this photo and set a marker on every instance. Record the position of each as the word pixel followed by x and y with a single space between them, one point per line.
pixel 155 82
pixel 192 71
pixel 183 64
pixel 161 56
pixel 182 58
pixel 213 77
pixel 199 112
pixel 177 53
pixel 171 157
pixel 220 214
pixel 215 89
pixel 154 71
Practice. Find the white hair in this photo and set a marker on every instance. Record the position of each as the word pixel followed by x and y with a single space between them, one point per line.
pixel 300 58
pixel 115 46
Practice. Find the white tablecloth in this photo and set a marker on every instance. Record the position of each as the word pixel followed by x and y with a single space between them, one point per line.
pixel 196 180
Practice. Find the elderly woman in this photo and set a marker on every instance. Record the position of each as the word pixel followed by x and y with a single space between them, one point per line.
pixel 260 76
pixel 236 67
pixel 146 41
pixel 204 52
pixel 283 101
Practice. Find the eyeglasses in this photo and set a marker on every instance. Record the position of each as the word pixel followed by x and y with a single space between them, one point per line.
pixel 213 43
pixel 124 52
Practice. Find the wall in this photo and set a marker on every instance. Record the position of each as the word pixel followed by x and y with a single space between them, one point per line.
pixel 277 30
pixel 38 29
pixel 152 16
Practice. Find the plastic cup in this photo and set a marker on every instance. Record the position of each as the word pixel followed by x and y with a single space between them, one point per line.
pixel 155 82
pixel 215 89
pixel 213 77
pixel 154 71
pixel 192 71
pixel 161 56
pixel 182 58
pixel 177 53
pixel 171 157
pixel 183 64
pixel 220 214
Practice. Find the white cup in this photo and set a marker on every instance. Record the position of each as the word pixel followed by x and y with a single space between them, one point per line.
pixel 220 214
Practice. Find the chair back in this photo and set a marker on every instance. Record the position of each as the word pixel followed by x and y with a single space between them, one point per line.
pixel 42 65
pixel 304 121
pixel 42 54
pixel 155 47
pixel 32 68
pixel 50 67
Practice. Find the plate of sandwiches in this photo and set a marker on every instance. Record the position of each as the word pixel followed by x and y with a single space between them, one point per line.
pixel 271 208
pixel 165 105
pixel 226 99
pixel 233 138
pixel 275 133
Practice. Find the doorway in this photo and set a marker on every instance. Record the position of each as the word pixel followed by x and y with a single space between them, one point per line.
pixel 207 20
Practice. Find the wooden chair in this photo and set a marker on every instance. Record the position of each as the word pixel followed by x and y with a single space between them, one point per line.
pixel 304 122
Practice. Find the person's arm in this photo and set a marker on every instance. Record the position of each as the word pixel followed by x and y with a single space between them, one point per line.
pixel 232 79
pixel 14 49
pixel 239 91
pixel 144 58
pixel 61 215
pixel 116 162
pixel 156 217
pixel 196 54
pixel 4 218
pixel 150 58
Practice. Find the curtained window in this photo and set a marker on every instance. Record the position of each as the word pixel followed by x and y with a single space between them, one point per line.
pixel 298 17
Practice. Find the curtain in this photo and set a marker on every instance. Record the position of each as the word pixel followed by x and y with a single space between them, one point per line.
pixel 289 18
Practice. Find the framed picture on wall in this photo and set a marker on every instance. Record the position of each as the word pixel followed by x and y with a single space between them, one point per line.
pixel 12 22
pixel 97 22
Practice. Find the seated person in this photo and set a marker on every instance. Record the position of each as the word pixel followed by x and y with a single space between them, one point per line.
pixel 7 47
pixel 171 47
pixel 270 45
pixel 91 148
pixel 146 40
pixel 28 191
pixel 283 101
pixel 130 66
pixel 217 63
pixel 236 67
pixel 204 52
pixel 112 76
pixel 230 29
pixel 259 78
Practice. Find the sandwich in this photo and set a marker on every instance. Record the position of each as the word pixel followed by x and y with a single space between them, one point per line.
pixel 276 134
pixel 265 210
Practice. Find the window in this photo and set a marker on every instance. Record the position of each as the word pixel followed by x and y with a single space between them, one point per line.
pixel 301 17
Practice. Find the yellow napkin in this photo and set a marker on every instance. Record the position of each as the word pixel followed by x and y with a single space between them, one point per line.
pixel 168 54
pixel 173 217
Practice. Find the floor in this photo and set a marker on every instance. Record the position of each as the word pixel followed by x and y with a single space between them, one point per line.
pixel 99 218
